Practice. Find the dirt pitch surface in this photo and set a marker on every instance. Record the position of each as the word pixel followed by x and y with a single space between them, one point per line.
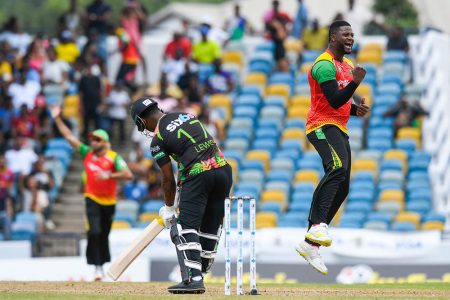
pixel 125 290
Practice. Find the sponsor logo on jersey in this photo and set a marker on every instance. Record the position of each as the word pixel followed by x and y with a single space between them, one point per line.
pixel 182 118
pixel 155 149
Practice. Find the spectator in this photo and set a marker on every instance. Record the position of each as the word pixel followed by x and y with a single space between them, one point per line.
pixel 6 70
pixel 185 78
pixel 6 116
pixel 25 124
pixel 237 26
pixel 55 76
pixel 71 18
pixel 35 199
pixel 45 182
pixel 178 45
pixel 89 56
pixel 6 203
pixel 220 81
pixel 13 34
pixel 213 124
pixel 98 15
pixel 214 33
pixel 405 113
pixel 130 59
pixel 139 165
pixel 277 32
pixel 206 50
pixel 67 49
pixel 90 89
pixel 358 15
pixel 118 102
pixel 397 40
pixel 301 20
pixel 20 158
pixel 174 68
pixel 36 56
pixel 23 91
pixel 187 31
pixel 166 101
pixel 316 37
pixel 276 13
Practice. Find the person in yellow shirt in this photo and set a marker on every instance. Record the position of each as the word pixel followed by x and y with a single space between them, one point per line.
pixel 316 37
pixel 206 51
pixel 67 50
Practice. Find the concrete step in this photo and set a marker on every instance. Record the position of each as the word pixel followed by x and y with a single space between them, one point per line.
pixel 71 198
pixel 70 189
pixel 70 209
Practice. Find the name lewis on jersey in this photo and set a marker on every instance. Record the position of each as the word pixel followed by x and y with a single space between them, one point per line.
pixel 182 118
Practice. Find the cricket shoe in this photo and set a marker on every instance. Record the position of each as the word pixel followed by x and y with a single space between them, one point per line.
pixel 319 234
pixel 311 254
pixel 98 274
pixel 190 287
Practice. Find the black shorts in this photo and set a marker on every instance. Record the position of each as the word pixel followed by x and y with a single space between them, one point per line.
pixel 202 200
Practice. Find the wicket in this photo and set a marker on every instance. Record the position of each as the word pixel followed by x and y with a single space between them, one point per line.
pixel 240 258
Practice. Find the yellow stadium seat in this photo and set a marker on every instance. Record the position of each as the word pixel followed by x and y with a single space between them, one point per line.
pixel 120 225
pixel 392 195
pixel 70 112
pixel 148 217
pixel 409 133
pixel 298 112
pixel 72 101
pixel 370 56
pixel 364 90
pixel 173 90
pixel 223 101
pixel 365 165
pixel 266 220
pixel 307 176
pixel 273 195
pixel 233 57
pixel 373 47
pixel 433 225
pixel 293 45
pixel 305 67
pixel 408 216
pixel 261 155
pixel 293 133
pixel 397 154
pixel 300 101
pixel 278 90
pixel 256 78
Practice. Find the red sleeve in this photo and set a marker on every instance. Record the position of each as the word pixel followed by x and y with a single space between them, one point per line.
pixel 169 50
pixel 187 48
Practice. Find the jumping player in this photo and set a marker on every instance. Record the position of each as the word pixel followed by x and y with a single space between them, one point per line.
pixel 205 179
pixel 333 81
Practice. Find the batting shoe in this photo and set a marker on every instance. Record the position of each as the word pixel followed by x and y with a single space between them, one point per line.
pixel 319 234
pixel 311 254
pixel 190 287
pixel 98 274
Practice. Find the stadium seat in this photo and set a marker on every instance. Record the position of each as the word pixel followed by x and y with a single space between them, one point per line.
pixel 261 155
pixel 391 207
pixel 361 207
pixel 295 123
pixel 256 78
pixel 410 133
pixel 272 112
pixel 369 56
pixel 307 176
pixel 269 145
pixel 148 216
pixel 271 206
pixel 251 175
pixel 300 206
pixel 247 100
pixel 365 165
pixel 273 196
pixel 434 216
pixel 278 185
pixel 376 225
pixel 120 225
pixel 266 220
pixel 282 164
pixel 300 101
pixel 396 154
pixel 403 226
pixel 408 216
pixel 303 89
pixel 407 145
pixel 392 195
pixel 293 219
pixel 267 133
pixel 253 89
pixel 152 205
pixel 433 225
pixel 279 175
pixel 245 112
pixel 298 112
pixel 279 90
pixel 252 164
pixel 304 187
pixel 233 57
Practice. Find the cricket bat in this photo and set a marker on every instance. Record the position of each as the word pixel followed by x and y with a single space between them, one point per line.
pixel 135 248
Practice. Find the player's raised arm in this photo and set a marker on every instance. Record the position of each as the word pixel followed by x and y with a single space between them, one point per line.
pixel 65 131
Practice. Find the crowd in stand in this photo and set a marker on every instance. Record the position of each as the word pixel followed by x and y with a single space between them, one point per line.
pixel 39 71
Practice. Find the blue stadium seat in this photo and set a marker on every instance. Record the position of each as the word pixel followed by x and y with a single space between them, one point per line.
pixel 434 216
pixel 379 122
pixel 420 155
pixel 391 164
pixel 270 206
pixel 380 133
pixel 312 155
pixel 135 191
pixel 282 78
pixel 254 90
pixel 350 224
pixel 387 100
pixel 293 219
pixel 245 112
pixel 267 133
pixel 152 205
pixel 265 46
pixel 300 206
pixel 305 163
pixel 361 196
pixel 403 226
pixel 279 175
pixel 379 144
pixel 407 145
pixel 417 184
pixel 282 164
pixel 422 194
pixel 358 217
pixel 248 100
pixel 363 176
pixel 292 154
pixel 260 67
pixel 355 122
pixel 125 216
pixel 389 89
pixel 310 56
pixel 269 123
pixel 251 164
pixel 420 206
pixel 295 123
pixel 370 69
pixel 363 207
pixel 379 216
pixel 394 56
pixel 418 165
pixel 277 101
pixel 389 185
pixel 291 144
pixel 362 186
pixel 419 175
pixel 392 78
pixel 265 144
pixel 304 187
pixel 233 154
pixel 249 185
pixel 302 78
pixel 236 133
pixel 237 144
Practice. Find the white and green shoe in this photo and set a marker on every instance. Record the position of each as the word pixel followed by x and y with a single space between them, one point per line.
pixel 311 254
pixel 319 234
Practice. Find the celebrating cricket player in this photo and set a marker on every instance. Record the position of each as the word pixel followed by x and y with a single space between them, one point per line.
pixel 205 178
pixel 333 81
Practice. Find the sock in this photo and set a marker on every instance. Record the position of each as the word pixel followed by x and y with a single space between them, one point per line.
pixel 312 243
pixel 197 278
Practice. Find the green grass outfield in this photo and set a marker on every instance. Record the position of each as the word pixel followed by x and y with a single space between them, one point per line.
pixel 124 290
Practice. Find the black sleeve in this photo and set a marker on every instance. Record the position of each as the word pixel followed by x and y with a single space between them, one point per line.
pixel 334 95
pixel 158 152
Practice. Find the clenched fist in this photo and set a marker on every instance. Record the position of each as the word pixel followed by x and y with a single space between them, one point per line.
pixel 358 74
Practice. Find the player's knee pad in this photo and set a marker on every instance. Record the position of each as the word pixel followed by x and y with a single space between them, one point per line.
pixel 188 249
pixel 209 244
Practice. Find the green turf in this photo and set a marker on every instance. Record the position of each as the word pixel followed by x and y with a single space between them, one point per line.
pixel 402 291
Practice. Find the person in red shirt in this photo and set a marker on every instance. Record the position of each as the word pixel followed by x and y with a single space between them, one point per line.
pixel 178 42
pixel 103 167
pixel 6 204
pixel 26 124
pixel 332 80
